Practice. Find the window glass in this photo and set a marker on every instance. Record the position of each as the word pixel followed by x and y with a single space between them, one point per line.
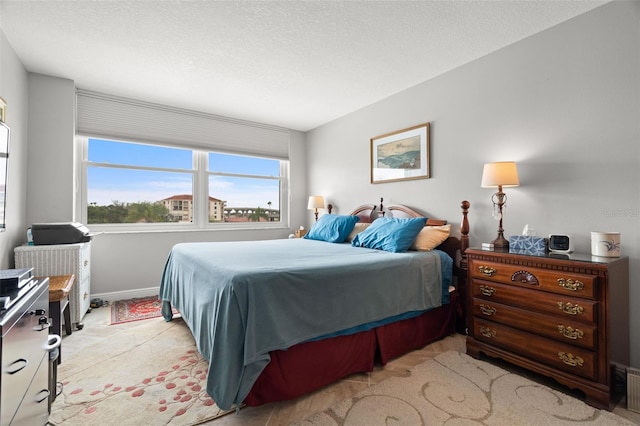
pixel 120 195
pixel 135 154
pixel 240 164
pixel 241 199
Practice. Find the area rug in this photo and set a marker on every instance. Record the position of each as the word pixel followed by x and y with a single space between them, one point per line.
pixel 149 374
pixel 136 309
pixel 454 389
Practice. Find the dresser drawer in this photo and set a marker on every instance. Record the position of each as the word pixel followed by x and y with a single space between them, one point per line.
pixel 574 284
pixel 572 359
pixel 84 267
pixel 85 295
pixel 556 304
pixel 34 409
pixel 569 332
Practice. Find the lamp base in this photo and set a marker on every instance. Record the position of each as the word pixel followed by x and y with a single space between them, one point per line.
pixel 500 244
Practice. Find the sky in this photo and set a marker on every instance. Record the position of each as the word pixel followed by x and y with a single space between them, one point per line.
pixel 106 184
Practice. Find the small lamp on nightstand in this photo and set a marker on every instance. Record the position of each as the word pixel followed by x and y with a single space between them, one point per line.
pixel 316 202
pixel 501 174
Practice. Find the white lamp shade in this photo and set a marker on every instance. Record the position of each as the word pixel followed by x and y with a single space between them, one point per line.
pixel 316 202
pixel 504 173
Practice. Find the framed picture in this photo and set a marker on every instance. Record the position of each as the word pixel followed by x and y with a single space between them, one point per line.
pixel 401 155
pixel 3 110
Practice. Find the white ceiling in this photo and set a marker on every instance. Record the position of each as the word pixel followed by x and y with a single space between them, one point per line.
pixel 291 64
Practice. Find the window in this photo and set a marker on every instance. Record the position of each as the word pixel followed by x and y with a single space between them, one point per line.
pixel 142 186
pixel 243 189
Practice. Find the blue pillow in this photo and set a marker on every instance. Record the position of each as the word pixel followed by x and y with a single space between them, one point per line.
pixel 390 234
pixel 332 228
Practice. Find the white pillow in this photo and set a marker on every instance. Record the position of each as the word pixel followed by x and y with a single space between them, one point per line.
pixel 358 228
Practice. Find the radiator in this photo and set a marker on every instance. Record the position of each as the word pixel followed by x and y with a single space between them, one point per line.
pixel 633 389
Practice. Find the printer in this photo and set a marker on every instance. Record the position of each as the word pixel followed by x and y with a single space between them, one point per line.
pixel 60 233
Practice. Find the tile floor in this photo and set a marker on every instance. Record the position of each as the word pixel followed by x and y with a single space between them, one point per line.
pixel 97 330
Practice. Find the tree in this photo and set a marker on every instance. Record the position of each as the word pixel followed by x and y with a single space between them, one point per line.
pixel 147 212
pixel 258 214
pixel 113 213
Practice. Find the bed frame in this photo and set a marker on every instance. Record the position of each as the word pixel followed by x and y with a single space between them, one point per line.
pixel 309 366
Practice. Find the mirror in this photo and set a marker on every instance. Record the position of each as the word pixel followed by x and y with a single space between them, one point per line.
pixel 4 159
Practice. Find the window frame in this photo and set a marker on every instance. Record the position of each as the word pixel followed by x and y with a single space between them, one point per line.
pixel 200 191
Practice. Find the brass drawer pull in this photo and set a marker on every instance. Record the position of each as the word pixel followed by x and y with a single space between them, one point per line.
pixel 570 359
pixel 488 310
pixel 487 291
pixel 569 284
pixel 487 270
pixel 571 309
pixel 570 332
pixel 487 332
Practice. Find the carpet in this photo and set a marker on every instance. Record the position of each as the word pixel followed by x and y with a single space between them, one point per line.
pixel 136 309
pixel 149 374
pixel 454 389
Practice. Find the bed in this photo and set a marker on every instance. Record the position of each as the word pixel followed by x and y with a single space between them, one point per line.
pixel 280 318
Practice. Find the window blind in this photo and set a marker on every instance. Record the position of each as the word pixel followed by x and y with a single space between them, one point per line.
pixel 110 116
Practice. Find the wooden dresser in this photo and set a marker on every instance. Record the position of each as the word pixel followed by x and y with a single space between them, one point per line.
pixel 563 316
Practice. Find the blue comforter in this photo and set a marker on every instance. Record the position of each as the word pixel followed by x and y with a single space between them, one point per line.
pixel 242 300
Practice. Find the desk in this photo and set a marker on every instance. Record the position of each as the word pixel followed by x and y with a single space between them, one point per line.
pixel 59 288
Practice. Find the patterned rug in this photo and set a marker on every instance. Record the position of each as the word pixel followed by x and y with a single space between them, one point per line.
pixel 148 374
pixel 455 389
pixel 136 309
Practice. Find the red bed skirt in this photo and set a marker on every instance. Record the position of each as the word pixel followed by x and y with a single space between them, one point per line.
pixel 309 366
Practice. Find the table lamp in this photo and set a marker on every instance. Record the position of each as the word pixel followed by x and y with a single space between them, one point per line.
pixel 500 174
pixel 316 202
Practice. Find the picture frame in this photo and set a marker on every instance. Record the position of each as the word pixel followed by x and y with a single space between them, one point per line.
pixel 401 155
pixel 3 110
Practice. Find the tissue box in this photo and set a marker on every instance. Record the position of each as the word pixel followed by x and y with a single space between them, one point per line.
pixel 527 244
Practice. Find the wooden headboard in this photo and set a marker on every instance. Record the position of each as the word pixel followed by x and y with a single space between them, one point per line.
pixel 453 246
pixel 369 212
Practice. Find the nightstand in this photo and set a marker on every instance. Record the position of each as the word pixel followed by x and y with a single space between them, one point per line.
pixel 566 317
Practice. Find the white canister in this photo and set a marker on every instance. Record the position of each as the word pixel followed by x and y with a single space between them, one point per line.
pixel 605 244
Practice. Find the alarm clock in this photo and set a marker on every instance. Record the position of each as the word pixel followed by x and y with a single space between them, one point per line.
pixel 559 243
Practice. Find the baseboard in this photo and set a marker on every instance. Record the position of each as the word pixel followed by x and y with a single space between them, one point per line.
pixel 126 294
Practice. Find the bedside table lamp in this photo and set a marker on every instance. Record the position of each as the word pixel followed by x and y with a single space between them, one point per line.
pixel 500 174
pixel 316 202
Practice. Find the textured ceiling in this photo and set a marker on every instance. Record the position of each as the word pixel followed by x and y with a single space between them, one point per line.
pixel 292 64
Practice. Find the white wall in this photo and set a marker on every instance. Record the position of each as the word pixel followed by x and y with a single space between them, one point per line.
pixel 50 188
pixel 564 104
pixel 13 89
